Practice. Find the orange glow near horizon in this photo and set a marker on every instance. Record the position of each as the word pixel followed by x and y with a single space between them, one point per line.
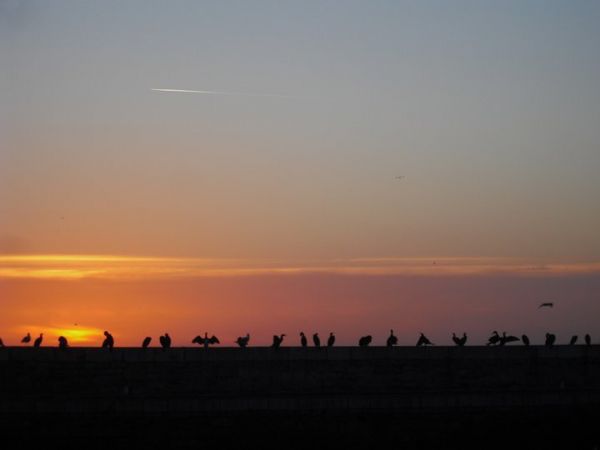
pixel 74 267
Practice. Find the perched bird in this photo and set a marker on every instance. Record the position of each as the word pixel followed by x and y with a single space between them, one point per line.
pixel 573 340
pixel 243 341
pixel 38 342
pixel 459 341
pixel 109 341
pixel 365 341
pixel 1 343
pixel 331 340
pixel 206 341
pixel 550 339
pixel 546 305
pixel 303 340
pixel 26 339
pixel 62 342
pixel 504 339
pixel 494 338
pixel 165 341
pixel 146 342
pixel 316 340
pixel 277 340
pixel 588 339
pixel 391 340
pixel 423 341
pixel 525 340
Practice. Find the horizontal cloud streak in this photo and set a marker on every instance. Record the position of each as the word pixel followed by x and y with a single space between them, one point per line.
pixel 76 267
pixel 244 94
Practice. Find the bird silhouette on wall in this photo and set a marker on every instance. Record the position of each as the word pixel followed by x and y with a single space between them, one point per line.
pixel 243 341
pixel 1 343
pixel 146 342
pixel 26 339
pixel 303 340
pixel 62 342
pixel 316 340
pixel 365 341
pixel 525 340
pixel 588 339
pixel 38 342
pixel 331 340
pixel 494 339
pixel 550 339
pixel 504 339
pixel 206 341
pixel 277 340
pixel 423 341
pixel 165 341
pixel 459 341
pixel 391 340
pixel 109 341
pixel 573 340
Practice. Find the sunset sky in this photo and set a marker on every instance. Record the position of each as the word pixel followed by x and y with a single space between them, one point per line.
pixel 343 166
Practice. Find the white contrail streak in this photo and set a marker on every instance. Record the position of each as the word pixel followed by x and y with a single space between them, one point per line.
pixel 246 94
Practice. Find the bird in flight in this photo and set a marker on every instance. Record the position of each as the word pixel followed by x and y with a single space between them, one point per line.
pixel 400 177
pixel 546 305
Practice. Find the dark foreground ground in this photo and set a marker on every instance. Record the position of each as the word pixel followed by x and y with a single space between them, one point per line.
pixel 472 397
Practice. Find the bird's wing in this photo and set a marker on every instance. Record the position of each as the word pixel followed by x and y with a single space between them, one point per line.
pixel 214 340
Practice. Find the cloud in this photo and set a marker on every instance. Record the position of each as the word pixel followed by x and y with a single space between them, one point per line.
pixel 118 267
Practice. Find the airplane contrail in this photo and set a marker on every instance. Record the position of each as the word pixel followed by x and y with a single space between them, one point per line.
pixel 246 94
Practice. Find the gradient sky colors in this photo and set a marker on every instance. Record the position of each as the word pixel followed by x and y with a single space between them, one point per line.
pixel 119 203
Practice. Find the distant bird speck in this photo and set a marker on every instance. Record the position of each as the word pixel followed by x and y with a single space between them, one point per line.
pixel 546 305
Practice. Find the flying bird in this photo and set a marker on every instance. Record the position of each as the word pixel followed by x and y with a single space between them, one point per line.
pixel 331 340
pixel 316 340
pixel 243 341
pixel 546 305
pixel 38 342
pixel 365 341
pixel 391 340
pixel 206 341
pixel 204 92
pixel 26 339
pixel 146 342
pixel 400 177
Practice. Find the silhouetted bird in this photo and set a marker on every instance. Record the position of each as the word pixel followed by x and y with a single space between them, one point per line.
pixel 459 341
pixel 243 341
pixel 573 340
pixel 316 340
pixel 507 339
pixel 494 338
pixel 38 342
pixel 1 343
pixel 26 339
pixel 109 341
pixel 331 340
pixel 303 340
pixel 206 341
pixel 588 339
pixel 146 342
pixel 550 339
pixel 423 341
pixel 525 339
pixel 62 342
pixel 277 340
pixel 165 341
pixel 391 340
pixel 365 341
pixel 546 305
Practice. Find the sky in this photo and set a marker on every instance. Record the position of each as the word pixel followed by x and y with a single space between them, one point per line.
pixel 339 165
